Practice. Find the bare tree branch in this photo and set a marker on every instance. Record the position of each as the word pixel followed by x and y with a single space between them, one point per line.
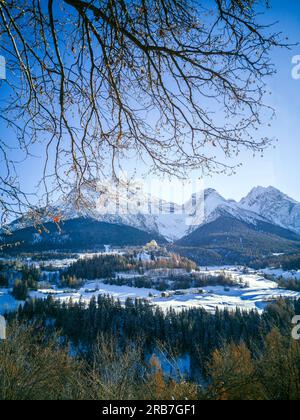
pixel 171 82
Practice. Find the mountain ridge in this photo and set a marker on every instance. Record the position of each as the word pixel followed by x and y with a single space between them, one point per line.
pixel 266 215
pixel 275 206
pixel 174 221
pixel 78 234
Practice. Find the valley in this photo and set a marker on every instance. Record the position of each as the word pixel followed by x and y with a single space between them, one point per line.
pixel 207 229
pixel 256 294
pixel 209 253
pixel 149 273
pixel 170 287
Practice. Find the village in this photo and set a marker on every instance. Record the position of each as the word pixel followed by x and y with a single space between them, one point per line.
pixel 148 273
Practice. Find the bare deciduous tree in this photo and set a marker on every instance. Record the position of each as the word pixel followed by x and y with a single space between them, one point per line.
pixel 179 84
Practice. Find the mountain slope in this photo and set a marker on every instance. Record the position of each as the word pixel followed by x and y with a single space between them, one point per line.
pixel 168 219
pixel 274 206
pixel 171 220
pixel 235 240
pixel 77 235
pixel 264 222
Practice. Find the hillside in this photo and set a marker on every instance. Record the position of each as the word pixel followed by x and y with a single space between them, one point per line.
pixel 207 228
pixel 228 240
pixel 78 235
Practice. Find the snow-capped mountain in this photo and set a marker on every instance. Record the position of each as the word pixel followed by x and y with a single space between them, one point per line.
pixel 128 207
pixel 207 228
pixel 274 206
pixel 215 206
pixel 140 210
pixel 137 209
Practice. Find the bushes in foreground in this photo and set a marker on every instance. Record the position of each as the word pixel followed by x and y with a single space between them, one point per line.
pixel 274 374
pixel 239 355
pixel 34 365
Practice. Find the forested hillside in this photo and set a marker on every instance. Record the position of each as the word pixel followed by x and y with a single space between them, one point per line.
pixel 75 235
pixel 230 241
pixel 237 355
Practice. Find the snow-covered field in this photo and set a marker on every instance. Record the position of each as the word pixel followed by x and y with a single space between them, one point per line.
pixel 256 295
pixel 278 272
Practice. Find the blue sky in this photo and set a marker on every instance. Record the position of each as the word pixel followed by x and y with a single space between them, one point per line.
pixel 279 167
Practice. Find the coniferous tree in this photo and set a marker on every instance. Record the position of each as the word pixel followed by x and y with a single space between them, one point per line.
pixel 20 290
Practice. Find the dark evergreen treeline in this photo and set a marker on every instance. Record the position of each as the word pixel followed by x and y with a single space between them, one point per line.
pixel 235 356
pixel 286 262
pixel 3 280
pixel 26 278
pixel 102 266
pixel 193 331
pixel 288 284
pixel 175 282
pixel 106 266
